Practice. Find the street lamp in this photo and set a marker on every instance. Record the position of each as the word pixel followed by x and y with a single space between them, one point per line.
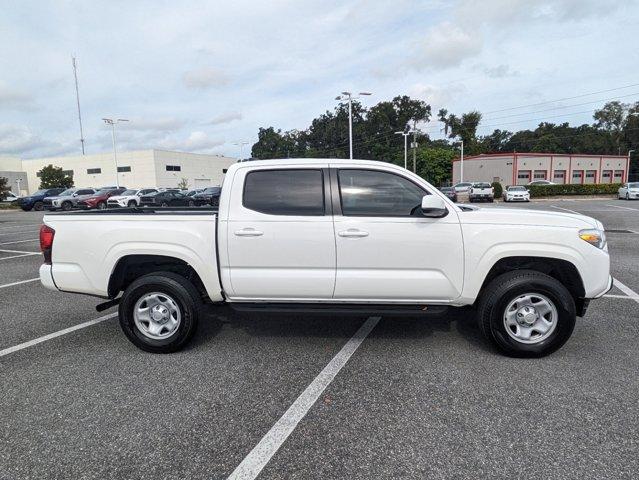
pixel 405 133
pixel 241 145
pixel 113 122
pixel 349 96
pixel 461 163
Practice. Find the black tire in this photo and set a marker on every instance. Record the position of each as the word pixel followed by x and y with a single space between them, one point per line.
pixel 191 203
pixel 38 206
pixel 66 206
pixel 131 204
pixel 26 209
pixel 164 204
pixel 186 297
pixel 507 287
pixel 101 206
pixel 627 196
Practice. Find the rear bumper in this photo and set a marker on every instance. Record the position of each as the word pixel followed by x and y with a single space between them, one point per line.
pixel 46 277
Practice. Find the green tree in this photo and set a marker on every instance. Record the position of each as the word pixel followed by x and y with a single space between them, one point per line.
pixel 4 188
pixel 52 177
pixel 435 165
pixel 183 184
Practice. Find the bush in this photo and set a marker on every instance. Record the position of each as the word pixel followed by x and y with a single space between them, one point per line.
pixel 573 189
pixel 499 190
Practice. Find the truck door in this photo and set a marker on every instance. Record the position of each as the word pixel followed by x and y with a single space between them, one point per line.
pixel 280 235
pixel 387 251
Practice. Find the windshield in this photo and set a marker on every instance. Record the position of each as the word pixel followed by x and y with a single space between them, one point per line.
pixel 481 185
pixel 67 192
pixel 103 191
pixel 516 189
pixel 129 192
pixel 633 185
pixel 212 190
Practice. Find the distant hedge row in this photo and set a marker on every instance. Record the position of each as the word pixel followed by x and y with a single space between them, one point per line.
pixel 573 189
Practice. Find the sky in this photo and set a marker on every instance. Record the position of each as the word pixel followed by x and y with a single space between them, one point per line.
pixel 204 76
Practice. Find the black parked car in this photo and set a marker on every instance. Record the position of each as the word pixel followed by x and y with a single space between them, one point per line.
pixel 169 198
pixel 449 192
pixel 210 196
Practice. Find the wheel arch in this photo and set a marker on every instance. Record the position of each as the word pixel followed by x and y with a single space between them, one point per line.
pixel 130 267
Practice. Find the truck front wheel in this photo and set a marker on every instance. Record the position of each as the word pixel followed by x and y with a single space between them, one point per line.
pixel 159 312
pixel 526 313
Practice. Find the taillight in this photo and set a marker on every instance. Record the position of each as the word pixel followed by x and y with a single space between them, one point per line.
pixel 46 242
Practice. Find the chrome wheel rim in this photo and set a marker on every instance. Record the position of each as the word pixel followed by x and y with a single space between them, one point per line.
pixel 156 315
pixel 530 318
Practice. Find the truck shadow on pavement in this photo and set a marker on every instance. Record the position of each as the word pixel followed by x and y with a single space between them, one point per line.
pixel 458 320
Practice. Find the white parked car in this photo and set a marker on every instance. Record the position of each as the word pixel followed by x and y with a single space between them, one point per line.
pixel 629 191
pixel 10 197
pixel 463 187
pixel 541 182
pixel 128 198
pixel 332 236
pixel 516 193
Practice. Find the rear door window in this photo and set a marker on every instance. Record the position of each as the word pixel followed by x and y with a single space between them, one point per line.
pixel 285 192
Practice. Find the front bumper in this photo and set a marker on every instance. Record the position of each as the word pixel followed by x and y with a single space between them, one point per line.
pixel 608 287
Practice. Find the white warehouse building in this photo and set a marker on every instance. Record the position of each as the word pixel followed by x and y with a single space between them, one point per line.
pixel 136 169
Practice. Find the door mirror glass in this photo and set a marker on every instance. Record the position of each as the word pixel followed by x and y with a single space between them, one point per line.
pixel 433 206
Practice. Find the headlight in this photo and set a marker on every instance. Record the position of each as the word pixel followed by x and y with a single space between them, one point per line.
pixel 594 237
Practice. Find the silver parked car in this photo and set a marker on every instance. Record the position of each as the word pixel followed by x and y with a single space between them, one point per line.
pixel 463 187
pixel 67 199
pixel 629 191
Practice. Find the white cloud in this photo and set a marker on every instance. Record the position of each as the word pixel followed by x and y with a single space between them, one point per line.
pixel 447 45
pixel 204 78
pixel 499 71
pixel 14 99
pixel 197 141
pixel 162 124
pixel 227 117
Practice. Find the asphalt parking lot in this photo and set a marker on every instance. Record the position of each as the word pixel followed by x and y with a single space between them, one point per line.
pixel 411 398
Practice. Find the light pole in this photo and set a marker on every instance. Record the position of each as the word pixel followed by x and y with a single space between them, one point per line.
pixel 113 122
pixel 241 145
pixel 461 163
pixel 628 165
pixel 405 134
pixel 349 96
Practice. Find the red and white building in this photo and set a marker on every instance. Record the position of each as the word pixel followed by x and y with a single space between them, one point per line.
pixel 523 168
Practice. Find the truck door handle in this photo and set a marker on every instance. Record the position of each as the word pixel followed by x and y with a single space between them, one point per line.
pixel 248 232
pixel 353 233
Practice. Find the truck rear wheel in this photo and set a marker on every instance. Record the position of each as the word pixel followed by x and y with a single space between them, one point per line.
pixel 159 312
pixel 526 313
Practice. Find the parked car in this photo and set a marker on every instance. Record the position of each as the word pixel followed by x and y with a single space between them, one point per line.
pixel 36 200
pixel 463 187
pixel 128 198
pixel 99 199
pixel 167 198
pixel 449 192
pixel 516 193
pixel 541 182
pixel 629 191
pixel 10 197
pixel 314 235
pixel 67 200
pixel 190 193
pixel 481 191
pixel 209 196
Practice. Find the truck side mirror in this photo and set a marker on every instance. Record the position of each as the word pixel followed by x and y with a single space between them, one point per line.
pixel 433 206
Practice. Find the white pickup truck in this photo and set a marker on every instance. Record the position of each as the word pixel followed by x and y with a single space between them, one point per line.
pixel 332 236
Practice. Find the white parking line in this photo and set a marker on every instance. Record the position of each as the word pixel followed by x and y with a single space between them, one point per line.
pixel 18 256
pixel 257 459
pixel 625 208
pixel 627 290
pixel 59 333
pixel 19 283
pixel 20 241
pixel 626 297
pixel 565 209
pixel 15 251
